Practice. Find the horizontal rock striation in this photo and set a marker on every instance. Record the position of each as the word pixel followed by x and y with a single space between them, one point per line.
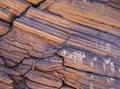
pixel 59 44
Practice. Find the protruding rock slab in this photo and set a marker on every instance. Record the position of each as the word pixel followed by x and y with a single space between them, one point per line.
pixel 46 4
pixel 68 26
pixel 5 81
pixel 50 64
pixel 66 87
pixel 35 2
pixel 79 79
pixel 11 8
pixel 39 29
pixel 44 78
pixel 94 15
pixel 33 85
pixel 90 62
pixel 4 27
pixel 94 44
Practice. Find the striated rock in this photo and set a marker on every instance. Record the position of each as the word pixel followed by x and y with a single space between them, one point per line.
pixel 41 29
pixel 44 78
pixel 3 27
pixel 9 63
pixel 72 28
pixel 5 81
pixel 16 78
pixel 22 69
pixel 49 52
pixel 35 2
pixel 96 45
pixel 46 4
pixel 101 17
pixel 29 61
pixel 85 80
pixel 6 15
pixel 23 42
pixel 4 78
pixel 90 62
pixel 49 64
pixel 5 86
pixel 11 8
pixel 14 56
pixel 66 87
pixel 33 85
pixel 59 44
pixel 12 52
pixel 10 71
pixel 1 61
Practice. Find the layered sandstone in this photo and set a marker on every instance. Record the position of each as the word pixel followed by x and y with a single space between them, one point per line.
pixel 59 44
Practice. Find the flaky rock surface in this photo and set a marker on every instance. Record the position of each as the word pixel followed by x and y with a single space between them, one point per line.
pixel 59 44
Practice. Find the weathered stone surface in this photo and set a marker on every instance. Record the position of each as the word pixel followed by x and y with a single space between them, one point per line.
pixel 90 62
pixel 33 85
pixel 46 4
pixel 9 63
pixel 5 86
pixel 16 78
pixel 5 78
pixel 93 44
pixel 66 87
pixel 106 20
pixel 35 2
pixel 85 80
pixel 49 52
pixel 72 28
pixel 22 44
pixel 49 64
pixel 29 61
pixel 41 29
pixel 4 27
pixel 22 69
pixel 10 71
pixel 5 81
pixel 44 78
pixel 11 8
pixel 59 44
pixel 1 61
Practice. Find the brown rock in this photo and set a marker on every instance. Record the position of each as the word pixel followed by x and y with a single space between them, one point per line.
pixel 44 78
pixel 9 63
pixel 6 15
pixel 16 79
pixel 80 79
pixel 90 62
pixel 106 20
pixel 4 78
pixel 3 27
pixel 10 71
pixel 46 4
pixel 1 61
pixel 41 30
pixel 49 64
pixel 66 87
pixel 49 52
pixel 35 2
pixel 29 61
pixel 33 85
pixel 5 86
pixel 72 28
pixel 22 69
pixel 11 8
pixel 25 43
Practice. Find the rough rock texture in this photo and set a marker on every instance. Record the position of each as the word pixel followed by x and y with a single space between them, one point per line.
pixel 59 44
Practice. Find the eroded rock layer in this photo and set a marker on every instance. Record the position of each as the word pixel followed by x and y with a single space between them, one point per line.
pixel 59 44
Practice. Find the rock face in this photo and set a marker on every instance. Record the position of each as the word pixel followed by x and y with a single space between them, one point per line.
pixel 59 44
